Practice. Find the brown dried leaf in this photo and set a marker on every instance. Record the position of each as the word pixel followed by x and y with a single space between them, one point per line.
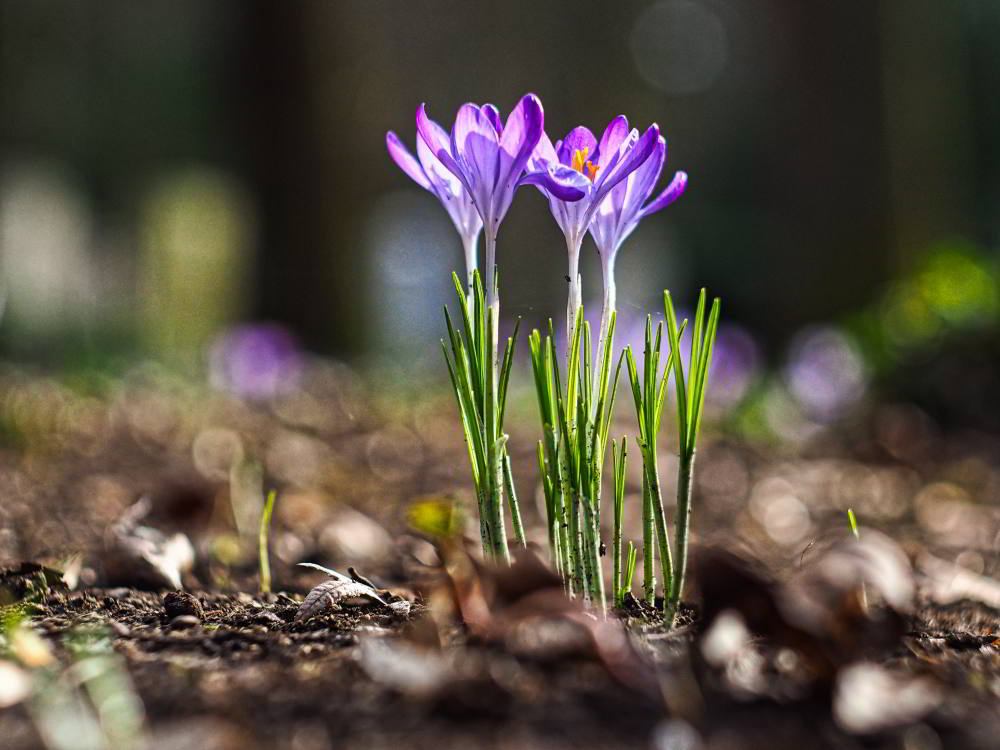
pixel 327 595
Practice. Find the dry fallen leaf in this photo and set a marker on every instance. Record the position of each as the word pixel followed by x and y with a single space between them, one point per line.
pixel 331 593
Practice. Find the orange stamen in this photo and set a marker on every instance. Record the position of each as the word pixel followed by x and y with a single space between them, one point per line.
pixel 583 165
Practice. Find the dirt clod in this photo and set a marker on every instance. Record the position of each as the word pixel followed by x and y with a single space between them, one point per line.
pixel 180 603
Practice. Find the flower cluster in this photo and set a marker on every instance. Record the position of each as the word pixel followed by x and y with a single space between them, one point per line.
pixel 598 186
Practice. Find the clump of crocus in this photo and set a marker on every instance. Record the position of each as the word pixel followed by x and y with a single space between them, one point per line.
pixel 649 392
pixel 487 159
pixel 616 218
pixel 576 415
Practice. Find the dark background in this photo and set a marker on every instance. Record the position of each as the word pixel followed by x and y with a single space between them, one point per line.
pixel 170 168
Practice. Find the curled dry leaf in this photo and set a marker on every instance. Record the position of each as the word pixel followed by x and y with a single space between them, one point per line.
pixel 330 593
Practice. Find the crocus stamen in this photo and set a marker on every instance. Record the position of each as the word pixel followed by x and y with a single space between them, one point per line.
pixel 583 165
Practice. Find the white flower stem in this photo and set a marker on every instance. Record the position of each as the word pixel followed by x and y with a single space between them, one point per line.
pixel 492 295
pixel 470 244
pixel 575 298
pixel 610 300
pixel 496 445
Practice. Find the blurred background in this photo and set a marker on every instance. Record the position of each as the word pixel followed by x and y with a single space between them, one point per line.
pixel 208 261
pixel 176 173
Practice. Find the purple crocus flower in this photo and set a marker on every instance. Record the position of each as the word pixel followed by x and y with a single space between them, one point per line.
pixel 489 158
pixel 427 171
pixel 593 167
pixel 621 211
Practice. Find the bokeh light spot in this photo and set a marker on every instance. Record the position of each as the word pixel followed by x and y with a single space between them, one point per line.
pixel 679 46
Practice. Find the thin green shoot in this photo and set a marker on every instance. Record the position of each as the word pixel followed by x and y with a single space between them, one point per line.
pixel 262 540
pixel 630 561
pixel 619 456
pixel 853 523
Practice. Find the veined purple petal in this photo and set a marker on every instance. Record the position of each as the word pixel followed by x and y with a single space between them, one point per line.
pixel 433 134
pixel 544 153
pixel 628 162
pixel 440 145
pixel 443 182
pixel 639 185
pixel 619 212
pixel 476 147
pixel 624 147
pixel 405 161
pixel 672 192
pixel 559 181
pixel 578 139
pixel 493 114
pixel 616 132
pixel 521 133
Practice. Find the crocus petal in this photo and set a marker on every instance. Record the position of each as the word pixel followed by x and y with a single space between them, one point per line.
pixel 405 161
pixel 629 196
pixel 440 145
pixel 433 134
pixel 628 162
pixel 521 133
pixel 544 152
pixel 619 213
pixel 672 192
pixel 624 147
pixel 611 140
pixel 559 181
pixel 475 144
pixel 578 139
pixel 493 115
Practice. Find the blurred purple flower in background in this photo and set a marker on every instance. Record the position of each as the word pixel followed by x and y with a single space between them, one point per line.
pixel 825 372
pixel 736 364
pixel 737 359
pixel 427 171
pixel 255 361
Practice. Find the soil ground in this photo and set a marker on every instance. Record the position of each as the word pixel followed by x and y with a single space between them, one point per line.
pixel 237 670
